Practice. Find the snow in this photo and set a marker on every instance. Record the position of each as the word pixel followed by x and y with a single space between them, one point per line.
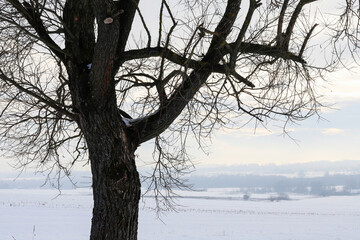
pixel 210 215
pixel 127 121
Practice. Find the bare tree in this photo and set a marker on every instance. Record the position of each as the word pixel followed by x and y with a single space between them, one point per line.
pixel 346 32
pixel 72 82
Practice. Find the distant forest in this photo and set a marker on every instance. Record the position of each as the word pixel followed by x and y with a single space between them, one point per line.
pixel 316 178
pixel 339 184
pixel 321 178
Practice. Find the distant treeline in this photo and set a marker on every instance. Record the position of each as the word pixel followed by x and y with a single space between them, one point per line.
pixel 338 184
pixel 253 178
pixel 346 166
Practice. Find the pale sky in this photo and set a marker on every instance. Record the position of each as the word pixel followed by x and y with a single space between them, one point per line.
pixel 335 139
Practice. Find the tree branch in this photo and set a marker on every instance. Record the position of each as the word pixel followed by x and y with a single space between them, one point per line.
pixel 145 26
pixel 33 17
pixel 295 15
pixel 152 125
pixel 126 19
pixel 254 4
pixel 79 31
pixel 46 100
pixel 306 40
pixel 247 48
pixel 271 51
pixel 279 36
pixel 180 60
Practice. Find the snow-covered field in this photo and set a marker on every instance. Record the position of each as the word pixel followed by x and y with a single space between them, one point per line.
pixel 213 214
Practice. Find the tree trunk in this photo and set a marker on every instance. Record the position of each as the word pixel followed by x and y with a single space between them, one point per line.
pixel 116 183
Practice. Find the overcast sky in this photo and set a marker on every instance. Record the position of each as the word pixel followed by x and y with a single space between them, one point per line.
pixel 337 138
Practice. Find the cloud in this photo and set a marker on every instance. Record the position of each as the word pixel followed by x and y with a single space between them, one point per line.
pixel 332 131
pixel 248 131
pixel 343 86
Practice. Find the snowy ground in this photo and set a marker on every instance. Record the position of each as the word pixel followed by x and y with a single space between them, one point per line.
pixel 214 214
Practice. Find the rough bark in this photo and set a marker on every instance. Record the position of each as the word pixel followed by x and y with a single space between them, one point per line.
pixel 116 184
pixel 91 68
